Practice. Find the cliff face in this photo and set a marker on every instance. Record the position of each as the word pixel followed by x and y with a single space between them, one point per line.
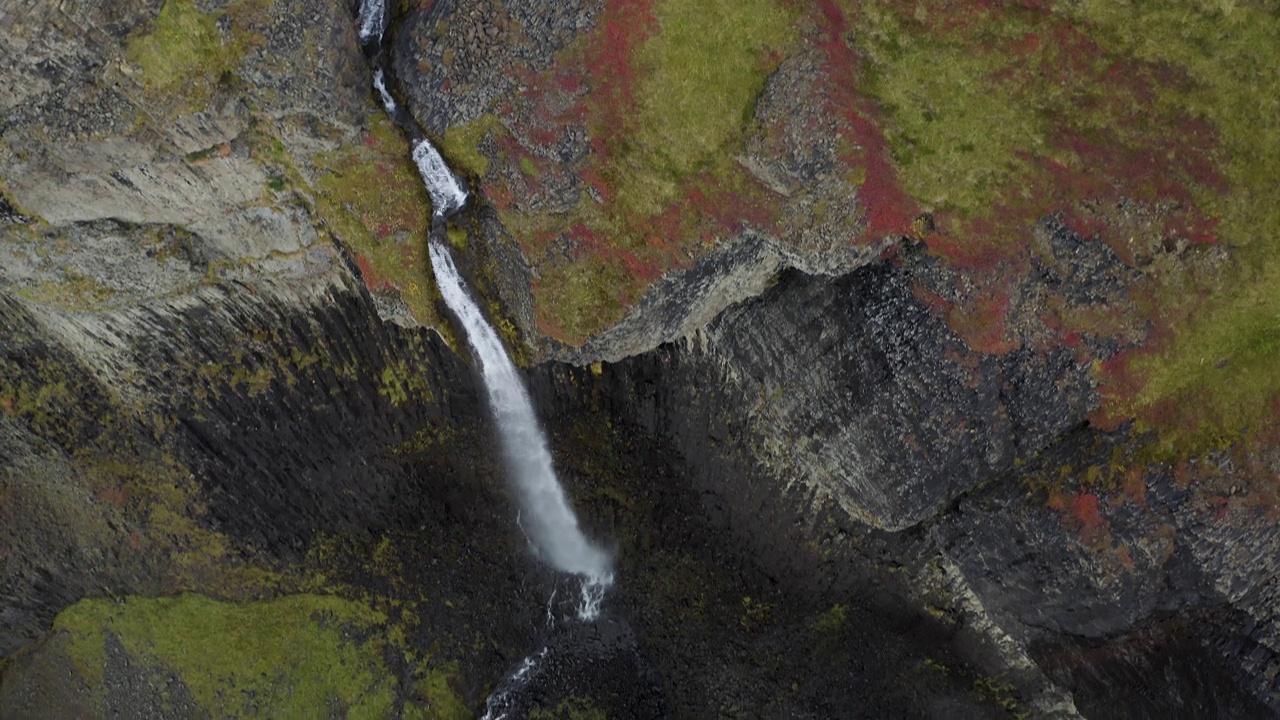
pixel 888 394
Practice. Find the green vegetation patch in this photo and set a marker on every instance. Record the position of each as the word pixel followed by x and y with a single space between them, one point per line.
pixel 370 195
pixel 183 55
pixel 288 657
pixel 443 702
pixel 400 383
pixel 1220 375
pixel 183 42
pixel 460 145
pixel 957 136
pixel 75 291
pixel 999 115
pixel 666 91
pixel 701 74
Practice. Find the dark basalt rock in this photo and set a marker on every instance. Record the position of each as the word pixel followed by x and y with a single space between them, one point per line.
pixel 736 591
pixel 1103 599
pixel 585 666
pixel 852 387
pixel 306 452
pixel 10 215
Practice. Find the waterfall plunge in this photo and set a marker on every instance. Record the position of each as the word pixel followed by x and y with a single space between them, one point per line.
pixel 547 518
pixel 551 526
pixel 372 20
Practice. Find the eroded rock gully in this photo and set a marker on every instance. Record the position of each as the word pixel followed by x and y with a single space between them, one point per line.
pixel 824 503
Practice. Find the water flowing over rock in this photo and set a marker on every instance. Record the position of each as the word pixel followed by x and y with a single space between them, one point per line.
pixel 550 521
pixel 551 524
pixel 373 22
pixel 447 194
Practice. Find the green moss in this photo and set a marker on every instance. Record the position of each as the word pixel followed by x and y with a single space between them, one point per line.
pixel 74 291
pixel 830 622
pixel 183 54
pixel 1001 693
pixel 460 145
pixel 427 439
pixel 205 154
pixel 280 658
pixel 1221 370
pixel 371 197
pixel 956 136
pixel 582 297
pixel 702 73
pixel 400 384
pixel 443 702
pixel 755 614
pixel 257 380
pixel 457 237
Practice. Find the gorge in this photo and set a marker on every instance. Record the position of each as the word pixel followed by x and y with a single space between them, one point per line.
pixel 910 364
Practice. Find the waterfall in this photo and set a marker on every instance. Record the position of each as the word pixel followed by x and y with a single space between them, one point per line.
pixel 372 19
pixel 447 195
pixel 550 524
pixel 380 84
pixel 548 520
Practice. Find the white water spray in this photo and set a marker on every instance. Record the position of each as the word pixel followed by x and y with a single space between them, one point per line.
pixel 553 533
pixel 447 195
pixel 380 84
pixel 549 521
pixel 496 706
pixel 372 19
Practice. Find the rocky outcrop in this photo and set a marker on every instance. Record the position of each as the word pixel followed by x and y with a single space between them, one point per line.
pixel 898 416
pixel 683 302
pixel 459 53
pixel 95 133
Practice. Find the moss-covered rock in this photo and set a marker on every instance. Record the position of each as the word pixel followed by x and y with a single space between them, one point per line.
pixel 291 656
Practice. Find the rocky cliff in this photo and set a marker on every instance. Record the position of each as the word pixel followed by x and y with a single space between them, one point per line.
pixel 918 362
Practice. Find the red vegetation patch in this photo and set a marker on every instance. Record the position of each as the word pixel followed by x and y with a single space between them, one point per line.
pixel 115 496
pixel 1134 486
pixel 596 243
pixel 592 87
pixel 371 280
pixel 623 28
pixel 1109 144
pixel 889 210
pixel 981 322
pixel 1083 513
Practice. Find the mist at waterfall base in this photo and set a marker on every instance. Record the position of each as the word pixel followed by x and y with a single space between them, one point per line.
pixel 545 516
